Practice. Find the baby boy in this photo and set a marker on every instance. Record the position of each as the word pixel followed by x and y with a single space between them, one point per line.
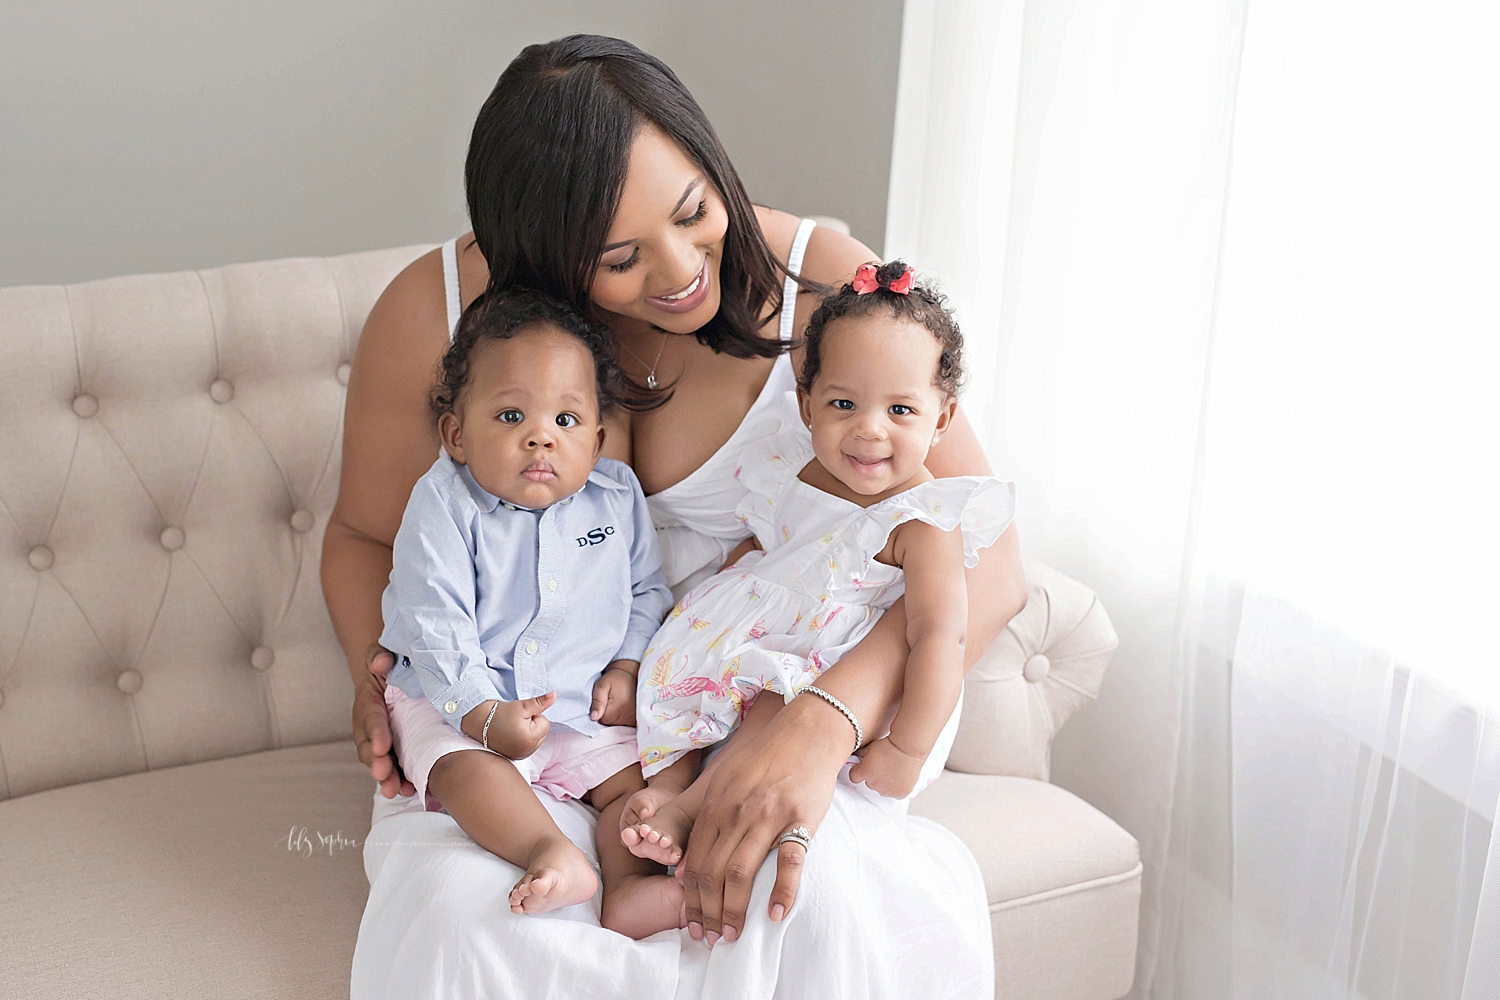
pixel 525 585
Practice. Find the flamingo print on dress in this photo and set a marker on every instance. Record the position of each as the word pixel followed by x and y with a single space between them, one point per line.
pixel 698 684
pixel 821 622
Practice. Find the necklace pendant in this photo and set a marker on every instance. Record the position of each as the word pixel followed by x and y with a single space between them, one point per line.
pixel 651 380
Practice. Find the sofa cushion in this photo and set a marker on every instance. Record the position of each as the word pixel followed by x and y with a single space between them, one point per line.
pixel 170 444
pixel 1063 882
pixel 239 877
pixel 243 877
pixel 1030 838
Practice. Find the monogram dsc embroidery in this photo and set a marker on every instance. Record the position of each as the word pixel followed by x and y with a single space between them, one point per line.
pixel 596 535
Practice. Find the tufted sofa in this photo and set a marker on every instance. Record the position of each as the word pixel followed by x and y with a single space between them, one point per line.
pixel 181 808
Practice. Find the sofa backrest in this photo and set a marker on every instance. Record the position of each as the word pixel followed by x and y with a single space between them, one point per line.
pixel 169 455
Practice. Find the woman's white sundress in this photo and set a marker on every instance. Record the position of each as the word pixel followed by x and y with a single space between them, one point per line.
pixel 780 616
pixel 890 906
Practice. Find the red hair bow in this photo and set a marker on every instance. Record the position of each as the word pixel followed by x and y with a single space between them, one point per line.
pixel 865 281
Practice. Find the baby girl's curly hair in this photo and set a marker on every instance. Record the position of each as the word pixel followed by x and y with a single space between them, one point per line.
pixel 500 316
pixel 922 305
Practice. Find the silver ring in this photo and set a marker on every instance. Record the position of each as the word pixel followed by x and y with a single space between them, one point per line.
pixel 797 835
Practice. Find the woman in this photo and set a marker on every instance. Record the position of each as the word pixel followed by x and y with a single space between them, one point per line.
pixel 592 175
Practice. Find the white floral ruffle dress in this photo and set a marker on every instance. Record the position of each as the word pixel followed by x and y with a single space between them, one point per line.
pixel 778 618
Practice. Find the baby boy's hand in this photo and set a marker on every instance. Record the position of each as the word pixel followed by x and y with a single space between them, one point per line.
pixel 518 727
pixel 890 771
pixel 614 694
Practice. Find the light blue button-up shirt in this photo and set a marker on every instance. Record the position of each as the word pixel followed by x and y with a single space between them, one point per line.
pixel 492 601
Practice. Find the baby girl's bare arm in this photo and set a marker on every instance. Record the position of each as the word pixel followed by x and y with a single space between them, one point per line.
pixel 739 550
pixel 936 616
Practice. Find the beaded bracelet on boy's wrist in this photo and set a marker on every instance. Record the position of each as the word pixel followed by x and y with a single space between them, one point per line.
pixel 859 731
pixel 484 735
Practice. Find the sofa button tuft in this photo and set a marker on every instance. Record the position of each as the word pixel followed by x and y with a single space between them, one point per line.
pixel 302 521
pixel 261 657
pixel 85 405
pixel 40 558
pixel 129 681
pixel 343 373
pixel 173 538
pixel 1037 667
pixel 222 390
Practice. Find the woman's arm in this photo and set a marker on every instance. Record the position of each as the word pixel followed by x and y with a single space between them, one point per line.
pixel 389 441
pixel 783 776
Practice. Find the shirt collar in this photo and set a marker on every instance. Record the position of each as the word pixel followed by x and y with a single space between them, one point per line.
pixel 487 501
pixel 601 478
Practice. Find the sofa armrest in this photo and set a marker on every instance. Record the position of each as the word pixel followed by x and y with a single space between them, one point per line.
pixel 1049 660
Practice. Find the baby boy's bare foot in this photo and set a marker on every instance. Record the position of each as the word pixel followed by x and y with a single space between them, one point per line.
pixel 662 839
pixel 557 875
pixel 641 905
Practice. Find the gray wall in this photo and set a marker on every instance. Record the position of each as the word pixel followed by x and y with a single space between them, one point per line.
pixel 167 134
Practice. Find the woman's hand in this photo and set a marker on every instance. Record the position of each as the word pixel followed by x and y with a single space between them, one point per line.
pixel 372 724
pixel 778 778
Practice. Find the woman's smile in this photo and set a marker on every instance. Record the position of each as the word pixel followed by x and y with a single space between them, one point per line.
pixel 688 298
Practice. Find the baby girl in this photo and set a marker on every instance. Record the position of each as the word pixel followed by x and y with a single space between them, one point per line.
pixel 843 524
pixel 525 586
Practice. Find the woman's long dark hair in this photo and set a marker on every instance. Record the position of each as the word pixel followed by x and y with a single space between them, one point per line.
pixel 547 163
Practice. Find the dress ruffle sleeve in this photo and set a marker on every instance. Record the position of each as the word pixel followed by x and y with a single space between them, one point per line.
pixel 765 467
pixel 980 506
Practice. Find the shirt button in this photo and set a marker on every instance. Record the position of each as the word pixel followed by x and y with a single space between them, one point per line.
pixel 451 707
pixel 531 647
pixel 551 584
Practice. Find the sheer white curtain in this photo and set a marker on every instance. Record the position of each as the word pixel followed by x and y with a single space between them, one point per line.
pixel 1229 268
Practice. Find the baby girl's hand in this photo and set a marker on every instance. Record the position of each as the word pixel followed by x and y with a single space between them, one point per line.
pixel 614 695
pixel 518 727
pixel 888 769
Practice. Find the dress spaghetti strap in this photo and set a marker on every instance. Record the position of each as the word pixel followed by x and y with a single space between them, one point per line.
pixel 789 290
pixel 450 284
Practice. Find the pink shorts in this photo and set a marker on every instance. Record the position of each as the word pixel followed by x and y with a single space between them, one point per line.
pixel 566 765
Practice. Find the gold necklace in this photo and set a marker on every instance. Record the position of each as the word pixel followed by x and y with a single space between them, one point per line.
pixel 651 368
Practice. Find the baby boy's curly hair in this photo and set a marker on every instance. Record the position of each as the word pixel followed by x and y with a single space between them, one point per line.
pixel 502 315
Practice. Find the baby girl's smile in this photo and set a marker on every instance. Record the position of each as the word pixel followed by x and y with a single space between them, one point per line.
pixel 870 466
pixel 873 408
